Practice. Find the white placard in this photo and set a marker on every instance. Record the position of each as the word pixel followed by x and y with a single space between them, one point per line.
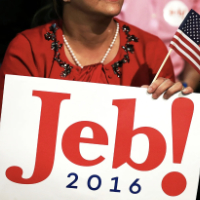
pixel 75 140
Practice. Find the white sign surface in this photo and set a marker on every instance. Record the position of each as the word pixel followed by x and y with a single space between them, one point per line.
pixel 74 140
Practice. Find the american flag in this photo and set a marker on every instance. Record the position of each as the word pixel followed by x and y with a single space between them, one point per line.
pixel 187 39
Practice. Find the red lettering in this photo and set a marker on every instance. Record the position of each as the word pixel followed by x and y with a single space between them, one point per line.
pixel 181 12
pixel 125 132
pixel 71 140
pixel 46 139
pixel 172 12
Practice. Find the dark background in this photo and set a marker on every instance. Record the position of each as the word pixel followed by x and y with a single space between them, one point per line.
pixel 15 16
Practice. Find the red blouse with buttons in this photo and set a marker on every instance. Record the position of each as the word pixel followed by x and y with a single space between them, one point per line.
pixel 30 54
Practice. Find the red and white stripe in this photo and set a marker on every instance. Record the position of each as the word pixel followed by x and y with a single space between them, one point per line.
pixel 187 48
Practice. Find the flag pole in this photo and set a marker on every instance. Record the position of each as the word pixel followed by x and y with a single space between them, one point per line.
pixel 162 65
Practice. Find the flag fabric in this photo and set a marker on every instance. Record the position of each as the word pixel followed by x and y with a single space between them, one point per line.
pixel 187 39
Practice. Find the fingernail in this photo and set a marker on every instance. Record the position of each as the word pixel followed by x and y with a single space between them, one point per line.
pixel 185 90
pixel 150 89
pixel 154 96
pixel 165 96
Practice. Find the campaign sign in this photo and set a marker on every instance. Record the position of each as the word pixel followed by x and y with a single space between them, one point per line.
pixel 73 140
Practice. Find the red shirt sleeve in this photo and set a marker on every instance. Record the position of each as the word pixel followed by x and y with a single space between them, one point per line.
pixel 18 60
pixel 156 54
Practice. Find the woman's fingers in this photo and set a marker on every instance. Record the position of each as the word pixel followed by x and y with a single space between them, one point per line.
pixel 187 90
pixel 176 87
pixel 159 87
pixel 166 86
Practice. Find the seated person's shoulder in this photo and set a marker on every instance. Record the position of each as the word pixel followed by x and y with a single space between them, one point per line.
pixel 32 41
pixel 38 32
pixel 33 37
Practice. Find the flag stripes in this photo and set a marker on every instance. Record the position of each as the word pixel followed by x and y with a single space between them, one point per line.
pixel 186 40
pixel 187 49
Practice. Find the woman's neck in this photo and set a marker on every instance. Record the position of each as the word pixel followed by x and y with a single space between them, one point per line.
pixel 86 28
pixel 89 36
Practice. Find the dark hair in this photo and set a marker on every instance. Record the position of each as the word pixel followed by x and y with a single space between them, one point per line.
pixel 58 7
pixel 51 10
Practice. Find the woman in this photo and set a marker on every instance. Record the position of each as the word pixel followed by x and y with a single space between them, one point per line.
pixel 89 45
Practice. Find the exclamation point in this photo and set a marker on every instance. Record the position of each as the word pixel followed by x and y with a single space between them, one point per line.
pixel 174 183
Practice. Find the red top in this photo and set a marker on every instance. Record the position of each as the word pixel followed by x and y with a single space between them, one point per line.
pixel 30 54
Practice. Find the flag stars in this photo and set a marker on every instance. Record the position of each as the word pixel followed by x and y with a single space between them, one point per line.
pixel 190 27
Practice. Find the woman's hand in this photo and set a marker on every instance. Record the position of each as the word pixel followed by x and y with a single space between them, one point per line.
pixel 166 86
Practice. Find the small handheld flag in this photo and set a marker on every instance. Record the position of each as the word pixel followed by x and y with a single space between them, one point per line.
pixel 187 39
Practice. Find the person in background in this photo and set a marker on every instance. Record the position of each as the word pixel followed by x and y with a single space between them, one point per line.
pixel 86 43
pixel 162 18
